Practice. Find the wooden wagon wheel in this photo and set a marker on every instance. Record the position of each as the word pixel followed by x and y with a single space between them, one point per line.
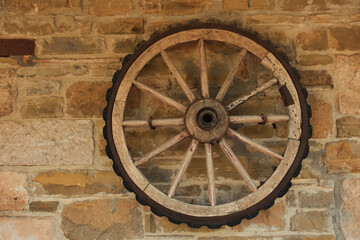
pixel 209 121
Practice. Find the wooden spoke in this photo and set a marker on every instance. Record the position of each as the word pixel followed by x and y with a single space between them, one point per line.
pixel 189 154
pixel 253 144
pixel 160 96
pixel 230 77
pixel 251 94
pixel 177 76
pixel 203 70
pixel 210 173
pixel 259 119
pixel 170 122
pixel 237 164
pixel 166 145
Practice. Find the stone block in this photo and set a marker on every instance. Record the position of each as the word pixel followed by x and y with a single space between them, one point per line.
pixel 73 24
pixel 51 70
pixel 348 127
pixel 344 38
pixel 75 183
pixel 272 219
pixel 321 119
pixel 260 4
pixel 39 206
pixel 315 40
pixel 180 7
pixel 42 87
pixel 46 142
pixel 274 19
pixel 342 156
pixel 347 78
pixel 86 99
pixel 103 219
pixel 350 210
pixel 235 5
pixel 312 221
pixel 18 228
pixel 149 6
pixel 315 59
pixel 121 26
pixel 69 45
pixel 8 91
pixel 124 45
pixel 58 7
pixel 316 199
pixel 46 107
pixel 110 7
pixel 39 26
pixel 14 195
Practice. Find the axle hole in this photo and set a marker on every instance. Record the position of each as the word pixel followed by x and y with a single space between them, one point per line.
pixel 207 118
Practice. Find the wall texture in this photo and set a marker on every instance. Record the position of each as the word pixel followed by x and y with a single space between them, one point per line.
pixel 56 181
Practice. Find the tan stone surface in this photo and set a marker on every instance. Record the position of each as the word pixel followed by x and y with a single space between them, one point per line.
pixel 314 40
pixel 260 4
pixel 87 99
pixel 52 70
pixel 348 127
pixel 14 195
pixel 42 87
pixel 39 206
pixel 347 78
pixel 315 59
pixel 47 107
pixel 342 156
pixel 235 4
pixel 180 7
pixel 316 199
pixel 8 91
pixel 312 221
pixel 46 142
pixel 321 119
pixel 339 42
pixel 102 219
pixel 121 26
pixel 69 45
pixel 78 183
pixel 350 209
pixel 110 7
pixel 267 220
pixel 27 228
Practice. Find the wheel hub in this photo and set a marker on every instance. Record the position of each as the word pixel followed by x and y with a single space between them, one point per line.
pixel 206 120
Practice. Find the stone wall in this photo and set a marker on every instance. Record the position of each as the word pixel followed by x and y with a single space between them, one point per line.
pixel 56 181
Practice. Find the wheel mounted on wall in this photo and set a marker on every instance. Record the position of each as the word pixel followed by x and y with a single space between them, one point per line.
pixel 205 115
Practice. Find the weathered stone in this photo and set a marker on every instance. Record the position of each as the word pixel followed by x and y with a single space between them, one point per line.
pixel 68 45
pixel 350 210
pixel 72 24
pixel 29 26
pixel 43 87
pixel 23 228
pixel 149 6
pixel 87 99
pixel 272 219
pixel 150 226
pixel 315 59
pixel 342 156
pixel 46 142
pixel 51 70
pixel 314 40
pixel 47 107
pixel 321 119
pixel 78 183
pixel 103 219
pixel 105 70
pixel 180 7
pixel 260 4
pixel 347 75
pixel 313 221
pixel 235 4
pixel 316 199
pixel 55 7
pixel 110 7
pixel 300 5
pixel 272 18
pixel 14 195
pixel 8 91
pixel 348 127
pixel 121 26
pixel 39 206
pixel 124 45
pixel 339 42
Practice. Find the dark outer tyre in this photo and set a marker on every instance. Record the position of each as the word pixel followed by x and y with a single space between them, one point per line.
pixel 211 222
